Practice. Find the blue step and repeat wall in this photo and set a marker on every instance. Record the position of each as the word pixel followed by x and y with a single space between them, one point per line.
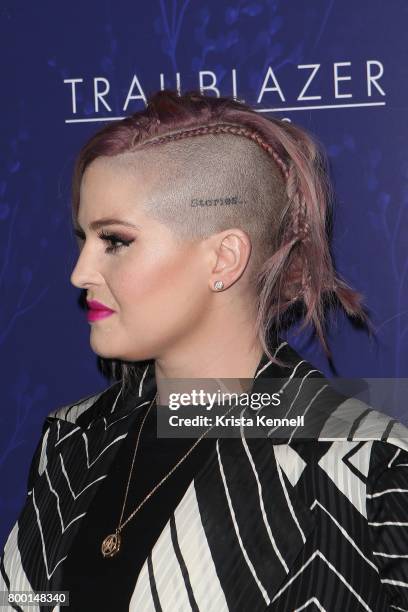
pixel 340 69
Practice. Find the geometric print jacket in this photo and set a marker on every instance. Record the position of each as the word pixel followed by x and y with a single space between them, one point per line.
pixel 285 523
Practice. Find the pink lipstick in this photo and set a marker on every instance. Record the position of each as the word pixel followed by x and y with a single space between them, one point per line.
pixel 97 310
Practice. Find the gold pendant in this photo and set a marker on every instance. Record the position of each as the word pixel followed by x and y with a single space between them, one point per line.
pixel 111 544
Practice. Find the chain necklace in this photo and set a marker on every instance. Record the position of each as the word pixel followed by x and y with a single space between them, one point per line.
pixel 111 544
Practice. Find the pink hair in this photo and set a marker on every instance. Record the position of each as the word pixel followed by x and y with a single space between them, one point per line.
pixel 300 269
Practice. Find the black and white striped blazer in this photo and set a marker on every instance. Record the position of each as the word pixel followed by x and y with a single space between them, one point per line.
pixel 284 523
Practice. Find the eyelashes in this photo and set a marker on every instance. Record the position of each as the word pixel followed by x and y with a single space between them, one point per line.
pixel 114 241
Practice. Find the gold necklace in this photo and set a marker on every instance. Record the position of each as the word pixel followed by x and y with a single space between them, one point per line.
pixel 111 544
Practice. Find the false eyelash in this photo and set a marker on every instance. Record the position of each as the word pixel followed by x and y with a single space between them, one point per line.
pixel 113 239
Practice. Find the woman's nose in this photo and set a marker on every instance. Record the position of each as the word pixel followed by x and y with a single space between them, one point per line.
pixel 86 271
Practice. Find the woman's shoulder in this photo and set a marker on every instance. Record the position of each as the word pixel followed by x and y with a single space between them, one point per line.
pixel 117 398
pixel 74 410
pixel 320 407
pixel 354 420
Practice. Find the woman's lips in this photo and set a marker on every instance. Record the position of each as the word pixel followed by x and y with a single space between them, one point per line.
pixel 97 310
pixel 95 315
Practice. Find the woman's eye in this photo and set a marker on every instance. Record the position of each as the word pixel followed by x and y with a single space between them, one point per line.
pixel 116 242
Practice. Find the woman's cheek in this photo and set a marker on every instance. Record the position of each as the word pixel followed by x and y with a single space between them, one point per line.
pixel 150 278
pixel 139 288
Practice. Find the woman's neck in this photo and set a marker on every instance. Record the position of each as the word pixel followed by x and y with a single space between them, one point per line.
pixel 234 357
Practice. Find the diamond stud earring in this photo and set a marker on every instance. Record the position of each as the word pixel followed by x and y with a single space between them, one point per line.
pixel 218 285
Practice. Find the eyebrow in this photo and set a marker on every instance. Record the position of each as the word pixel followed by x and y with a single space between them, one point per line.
pixel 106 221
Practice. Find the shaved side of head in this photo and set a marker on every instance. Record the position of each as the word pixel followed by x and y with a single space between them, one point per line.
pixel 198 186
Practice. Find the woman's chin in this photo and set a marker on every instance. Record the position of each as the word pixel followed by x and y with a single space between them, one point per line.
pixel 111 347
pixel 104 348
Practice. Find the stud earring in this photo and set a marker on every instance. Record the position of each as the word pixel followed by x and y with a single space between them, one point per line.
pixel 218 285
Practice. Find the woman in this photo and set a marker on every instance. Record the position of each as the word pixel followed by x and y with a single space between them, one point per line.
pixel 202 227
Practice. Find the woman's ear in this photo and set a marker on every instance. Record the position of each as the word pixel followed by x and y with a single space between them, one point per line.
pixel 232 251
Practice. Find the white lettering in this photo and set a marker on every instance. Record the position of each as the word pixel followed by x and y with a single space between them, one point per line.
pixel 178 85
pixel 372 78
pixel 130 96
pixel 234 83
pixel 211 87
pixel 99 95
pixel 338 78
pixel 301 96
pixel 270 74
pixel 73 91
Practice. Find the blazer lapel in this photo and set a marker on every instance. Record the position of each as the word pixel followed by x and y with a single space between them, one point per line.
pixel 233 538
pixel 65 475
